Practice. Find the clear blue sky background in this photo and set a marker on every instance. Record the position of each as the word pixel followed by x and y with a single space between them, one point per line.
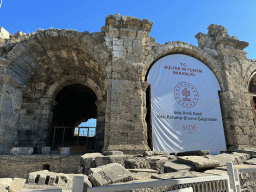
pixel 172 20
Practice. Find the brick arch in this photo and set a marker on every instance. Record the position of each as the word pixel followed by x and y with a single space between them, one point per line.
pixel 55 88
pixel 25 57
pixel 186 49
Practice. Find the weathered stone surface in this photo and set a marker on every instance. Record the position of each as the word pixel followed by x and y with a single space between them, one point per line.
pixel 172 157
pixel 199 162
pixel 46 150
pixel 216 172
pixel 22 150
pixel 64 150
pixel 4 34
pixel 180 174
pixel 86 182
pixel 251 161
pixel 223 158
pixel 17 185
pixel 241 166
pixel 5 183
pixel 174 166
pixel 113 153
pixel 150 153
pixel 198 152
pixel 104 160
pixel 108 174
pixel 88 159
pixel 241 157
pixel 157 162
pixel 46 179
pixel 137 163
pixel 143 170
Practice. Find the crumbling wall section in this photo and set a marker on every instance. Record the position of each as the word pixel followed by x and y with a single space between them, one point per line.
pixel 125 127
pixel 21 165
pixel 235 100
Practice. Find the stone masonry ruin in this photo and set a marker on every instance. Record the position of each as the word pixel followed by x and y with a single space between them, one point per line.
pixel 64 77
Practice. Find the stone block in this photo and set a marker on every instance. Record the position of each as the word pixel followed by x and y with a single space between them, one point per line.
pixel 190 153
pixel 42 179
pixel 108 174
pixel 17 185
pixel 150 153
pixel 251 161
pixel 171 157
pixel 46 150
pixel 5 183
pixel 216 172
pixel 64 150
pixel 157 162
pixel 86 182
pixel 3 189
pixel 99 161
pixel 241 157
pixel 51 179
pixel 22 150
pixel 4 34
pixel 88 159
pixel 180 174
pixel 142 170
pixel 199 162
pixel 113 153
pixel 223 158
pixel 78 183
pixel 174 166
pixel 137 163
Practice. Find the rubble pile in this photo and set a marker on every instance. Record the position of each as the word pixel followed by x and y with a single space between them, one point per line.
pixel 114 167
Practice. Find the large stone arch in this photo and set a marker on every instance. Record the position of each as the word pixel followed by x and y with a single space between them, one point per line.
pixel 44 50
pixel 26 57
pixel 249 73
pixel 186 49
pixel 69 80
pixel 54 89
pixel 178 47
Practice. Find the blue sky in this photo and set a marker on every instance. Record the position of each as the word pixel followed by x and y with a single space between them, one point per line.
pixel 172 20
pixel 89 123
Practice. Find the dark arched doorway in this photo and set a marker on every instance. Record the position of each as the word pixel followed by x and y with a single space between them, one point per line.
pixel 252 90
pixel 74 104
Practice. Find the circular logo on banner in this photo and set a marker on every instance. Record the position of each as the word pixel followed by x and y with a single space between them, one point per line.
pixel 186 94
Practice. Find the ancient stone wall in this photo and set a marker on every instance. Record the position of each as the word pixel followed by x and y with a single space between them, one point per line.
pixel 114 64
pixel 21 165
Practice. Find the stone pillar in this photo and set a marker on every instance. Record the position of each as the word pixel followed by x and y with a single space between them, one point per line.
pixel 234 98
pixel 125 127
pixel 10 105
pixel 46 115
pixel 235 101
pixel 101 112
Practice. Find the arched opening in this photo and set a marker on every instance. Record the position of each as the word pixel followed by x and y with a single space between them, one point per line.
pixel 75 104
pixel 185 108
pixel 252 91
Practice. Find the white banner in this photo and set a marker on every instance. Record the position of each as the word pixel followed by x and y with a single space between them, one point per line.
pixel 185 106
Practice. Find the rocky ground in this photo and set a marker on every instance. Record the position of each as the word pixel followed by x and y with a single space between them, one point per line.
pixel 114 167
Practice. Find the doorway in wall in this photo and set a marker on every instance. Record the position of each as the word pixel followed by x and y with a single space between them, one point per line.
pixel 75 105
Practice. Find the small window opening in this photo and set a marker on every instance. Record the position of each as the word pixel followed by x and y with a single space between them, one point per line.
pixel 57 179
pixel 47 180
pixel 37 178
pixel 86 128
pixel 64 179
pixel 46 167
